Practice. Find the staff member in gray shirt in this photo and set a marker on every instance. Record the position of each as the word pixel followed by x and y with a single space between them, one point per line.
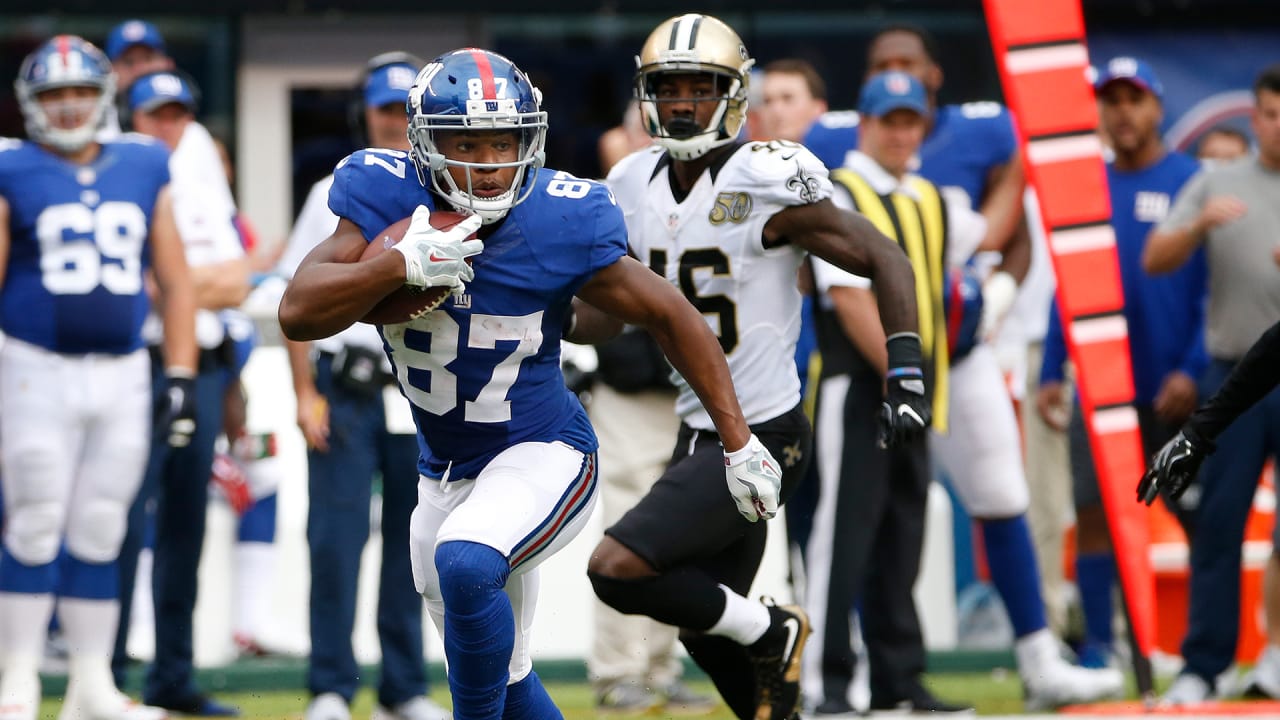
pixel 1235 211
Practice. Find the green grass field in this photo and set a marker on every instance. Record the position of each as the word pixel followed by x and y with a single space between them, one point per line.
pixel 995 693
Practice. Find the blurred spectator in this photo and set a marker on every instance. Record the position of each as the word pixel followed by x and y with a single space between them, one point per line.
pixel 1231 211
pixel 1222 144
pixel 135 48
pixel 868 526
pixel 621 140
pixel 1165 317
pixel 163 105
pixel 793 96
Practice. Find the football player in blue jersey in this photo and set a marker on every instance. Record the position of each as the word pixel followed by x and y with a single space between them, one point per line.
pixel 80 225
pixel 508 455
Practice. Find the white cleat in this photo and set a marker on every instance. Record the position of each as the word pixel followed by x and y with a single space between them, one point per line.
pixel 109 705
pixel 1049 682
pixel 418 708
pixel 19 695
pixel 1264 679
pixel 328 706
pixel 1060 683
pixel 1187 689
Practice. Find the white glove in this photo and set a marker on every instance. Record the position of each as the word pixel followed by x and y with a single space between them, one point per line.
pixel 998 294
pixel 437 258
pixel 755 480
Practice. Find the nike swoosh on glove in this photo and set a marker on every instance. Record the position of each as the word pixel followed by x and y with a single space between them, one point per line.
pixel 905 412
pixel 755 480
pixel 437 258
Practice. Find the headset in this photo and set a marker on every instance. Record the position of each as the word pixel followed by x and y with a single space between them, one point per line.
pixel 355 109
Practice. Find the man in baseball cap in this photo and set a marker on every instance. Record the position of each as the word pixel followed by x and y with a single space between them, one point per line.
pixel 161 105
pixel 895 109
pixel 135 48
pixel 385 90
pixel 1131 70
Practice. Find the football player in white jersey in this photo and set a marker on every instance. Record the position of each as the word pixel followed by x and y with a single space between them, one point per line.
pixel 80 222
pixel 728 224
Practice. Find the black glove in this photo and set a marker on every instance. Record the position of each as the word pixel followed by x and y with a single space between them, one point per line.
pixel 905 412
pixel 177 409
pixel 1174 466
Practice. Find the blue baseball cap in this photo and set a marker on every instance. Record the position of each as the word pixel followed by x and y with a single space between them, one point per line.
pixel 130 33
pixel 893 90
pixel 1131 70
pixel 389 84
pixel 152 91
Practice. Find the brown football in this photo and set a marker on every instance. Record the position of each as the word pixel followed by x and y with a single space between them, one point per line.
pixel 407 303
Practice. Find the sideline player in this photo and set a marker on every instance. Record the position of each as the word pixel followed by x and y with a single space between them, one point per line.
pixel 729 223
pixel 508 455
pixel 80 222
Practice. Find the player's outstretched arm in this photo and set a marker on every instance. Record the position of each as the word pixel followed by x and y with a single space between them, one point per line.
pixel 177 293
pixel 634 294
pixel 332 289
pixel 848 240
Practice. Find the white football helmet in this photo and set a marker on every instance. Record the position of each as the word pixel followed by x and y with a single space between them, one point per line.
pixel 64 61
pixel 694 43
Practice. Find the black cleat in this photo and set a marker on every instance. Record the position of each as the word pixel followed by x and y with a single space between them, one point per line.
pixel 775 659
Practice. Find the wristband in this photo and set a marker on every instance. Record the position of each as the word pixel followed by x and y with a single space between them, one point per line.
pixel 744 453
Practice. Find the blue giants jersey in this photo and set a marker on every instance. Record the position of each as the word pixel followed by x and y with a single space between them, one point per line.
pixel 483 372
pixel 964 144
pixel 1165 313
pixel 78 244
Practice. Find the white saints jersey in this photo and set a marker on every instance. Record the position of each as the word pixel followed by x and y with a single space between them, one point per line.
pixel 710 246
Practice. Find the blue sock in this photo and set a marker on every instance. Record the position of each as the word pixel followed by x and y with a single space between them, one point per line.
pixel 1094 574
pixel 16 577
pixel 258 524
pixel 86 580
pixel 1012 561
pixel 479 627
pixel 528 700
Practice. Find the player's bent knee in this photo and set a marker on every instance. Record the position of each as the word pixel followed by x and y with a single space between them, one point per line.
pixel 96 531
pixel 34 535
pixel 612 559
pixel 470 574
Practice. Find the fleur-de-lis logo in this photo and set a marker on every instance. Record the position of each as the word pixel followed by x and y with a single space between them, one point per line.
pixel 804 184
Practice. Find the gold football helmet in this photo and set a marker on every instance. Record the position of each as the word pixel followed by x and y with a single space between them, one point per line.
pixel 694 43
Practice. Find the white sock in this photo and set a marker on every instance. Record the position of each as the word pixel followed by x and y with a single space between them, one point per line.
pixel 255 566
pixel 744 621
pixel 89 626
pixel 24 623
pixel 142 612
